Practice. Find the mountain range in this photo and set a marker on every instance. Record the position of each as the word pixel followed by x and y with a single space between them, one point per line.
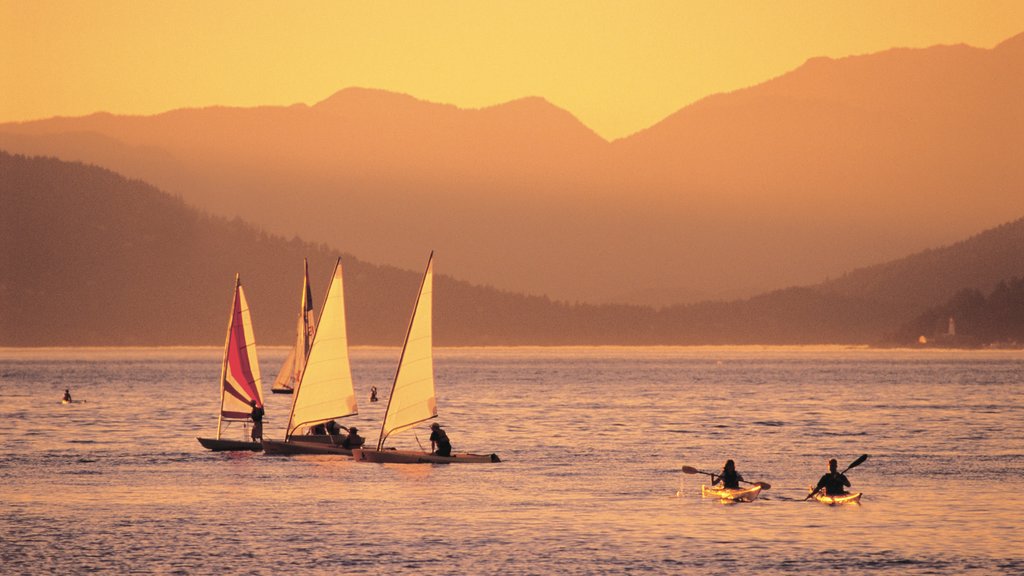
pixel 839 164
pixel 93 258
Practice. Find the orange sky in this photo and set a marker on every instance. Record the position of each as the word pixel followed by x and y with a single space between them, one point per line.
pixel 618 66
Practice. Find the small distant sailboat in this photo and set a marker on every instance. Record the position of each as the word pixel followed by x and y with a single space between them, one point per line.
pixel 239 376
pixel 413 399
pixel 291 371
pixel 324 391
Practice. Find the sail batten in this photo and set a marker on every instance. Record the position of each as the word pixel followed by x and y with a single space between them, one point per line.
pixel 325 390
pixel 413 399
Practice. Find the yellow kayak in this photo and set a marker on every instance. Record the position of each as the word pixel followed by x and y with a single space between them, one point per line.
pixel 731 494
pixel 838 499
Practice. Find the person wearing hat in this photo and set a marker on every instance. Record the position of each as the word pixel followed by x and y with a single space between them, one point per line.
pixel 439 443
pixel 353 440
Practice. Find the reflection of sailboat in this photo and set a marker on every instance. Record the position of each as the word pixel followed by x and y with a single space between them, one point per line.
pixel 324 391
pixel 412 398
pixel 291 371
pixel 239 376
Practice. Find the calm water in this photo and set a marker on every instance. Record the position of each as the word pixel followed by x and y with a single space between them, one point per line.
pixel 592 438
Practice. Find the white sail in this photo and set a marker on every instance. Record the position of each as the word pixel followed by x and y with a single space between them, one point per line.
pixel 291 370
pixel 325 390
pixel 412 397
pixel 240 372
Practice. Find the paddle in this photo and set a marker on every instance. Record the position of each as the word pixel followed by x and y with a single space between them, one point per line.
pixel 692 470
pixel 853 464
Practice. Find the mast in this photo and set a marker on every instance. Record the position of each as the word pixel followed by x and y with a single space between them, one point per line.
pixel 224 361
pixel 326 366
pixel 394 385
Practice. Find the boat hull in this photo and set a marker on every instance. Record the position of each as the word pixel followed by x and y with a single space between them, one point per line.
pixel 731 494
pixel 838 499
pixel 282 390
pixel 411 457
pixel 297 447
pixel 229 445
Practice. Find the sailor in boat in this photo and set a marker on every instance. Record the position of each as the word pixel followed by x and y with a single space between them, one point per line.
pixel 834 483
pixel 67 396
pixel 373 394
pixel 332 428
pixel 729 477
pixel 353 440
pixel 439 443
pixel 257 421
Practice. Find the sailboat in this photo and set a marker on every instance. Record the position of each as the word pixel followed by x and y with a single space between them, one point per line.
pixel 291 371
pixel 413 399
pixel 239 376
pixel 324 391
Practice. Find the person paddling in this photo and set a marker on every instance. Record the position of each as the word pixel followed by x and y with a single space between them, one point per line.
pixel 439 443
pixel 834 483
pixel 729 477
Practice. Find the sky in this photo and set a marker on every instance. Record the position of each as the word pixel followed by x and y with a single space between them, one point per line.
pixel 618 66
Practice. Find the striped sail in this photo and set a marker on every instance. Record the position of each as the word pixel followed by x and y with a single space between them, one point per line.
pixel 412 396
pixel 325 390
pixel 291 370
pixel 240 373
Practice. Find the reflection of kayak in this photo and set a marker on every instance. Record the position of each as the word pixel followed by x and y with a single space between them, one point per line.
pixel 838 499
pixel 731 494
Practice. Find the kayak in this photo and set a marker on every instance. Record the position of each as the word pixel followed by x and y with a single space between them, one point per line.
pixel 838 499
pixel 731 494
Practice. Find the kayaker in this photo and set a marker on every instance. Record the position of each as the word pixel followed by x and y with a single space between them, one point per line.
pixel 353 440
pixel 729 477
pixel 834 483
pixel 257 421
pixel 439 443
pixel 67 395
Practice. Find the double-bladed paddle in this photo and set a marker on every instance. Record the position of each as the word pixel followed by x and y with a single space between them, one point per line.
pixel 853 464
pixel 692 470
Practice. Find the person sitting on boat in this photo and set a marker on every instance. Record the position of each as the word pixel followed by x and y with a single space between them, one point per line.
pixel 257 421
pixel 439 443
pixel 317 430
pixel 353 440
pixel 67 395
pixel 729 477
pixel 834 483
pixel 373 393
pixel 332 428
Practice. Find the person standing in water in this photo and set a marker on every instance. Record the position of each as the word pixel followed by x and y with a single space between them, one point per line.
pixel 729 477
pixel 257 421
pixel 439 443
pixel 373 394
pixel 834 483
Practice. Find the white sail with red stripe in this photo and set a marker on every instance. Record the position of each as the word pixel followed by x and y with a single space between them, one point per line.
pixel 240 372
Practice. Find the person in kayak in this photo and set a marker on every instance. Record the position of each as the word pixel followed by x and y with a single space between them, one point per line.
pixel 439 443
pixel 257 421
pixel 834 483
pixel 67 395
pixel 729 477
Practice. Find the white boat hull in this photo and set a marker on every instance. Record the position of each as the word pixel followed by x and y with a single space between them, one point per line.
pixel 411 457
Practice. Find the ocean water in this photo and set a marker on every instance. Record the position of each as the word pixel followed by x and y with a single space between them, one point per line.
pixel 592 440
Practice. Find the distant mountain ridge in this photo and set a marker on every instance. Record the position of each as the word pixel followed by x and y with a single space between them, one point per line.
pixel 91 258
pixel 836 165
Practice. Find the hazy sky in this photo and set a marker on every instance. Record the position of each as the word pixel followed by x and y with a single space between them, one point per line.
pixel 618 66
